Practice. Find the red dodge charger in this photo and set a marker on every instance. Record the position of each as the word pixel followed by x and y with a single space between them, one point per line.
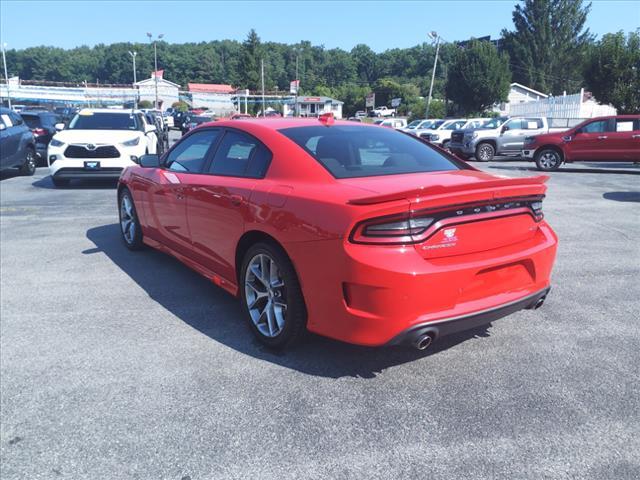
pixel 356 232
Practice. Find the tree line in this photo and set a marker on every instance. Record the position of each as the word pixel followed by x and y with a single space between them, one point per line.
pixel 548 49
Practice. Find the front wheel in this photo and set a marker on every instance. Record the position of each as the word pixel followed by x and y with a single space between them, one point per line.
pixel 129 224
pixel 28 168
pixel 445 145
pixel 485 152
pixel 548 160
pixel 271 296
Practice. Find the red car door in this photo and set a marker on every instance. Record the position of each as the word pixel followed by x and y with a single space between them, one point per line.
pixel 627 139
pixel 167 197
pixel 590 142
pixel 218 201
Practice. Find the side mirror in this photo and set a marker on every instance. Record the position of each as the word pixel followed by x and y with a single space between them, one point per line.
pixel 150 161
pixel 149 129
pixel 59 126
pixel 2 126
pixel 504 128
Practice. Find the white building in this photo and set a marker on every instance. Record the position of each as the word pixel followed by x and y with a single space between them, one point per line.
pixel 168 92
pixel 313 107
pixel 518 94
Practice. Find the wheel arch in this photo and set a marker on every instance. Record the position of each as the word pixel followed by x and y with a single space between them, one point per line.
pixel 491 141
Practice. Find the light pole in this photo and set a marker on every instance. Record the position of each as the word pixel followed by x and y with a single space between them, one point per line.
pixel 155 61
pixel 436 37
pixel 135 80
pixel 6 77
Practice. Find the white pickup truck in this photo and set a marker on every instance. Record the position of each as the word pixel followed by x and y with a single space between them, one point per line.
pixel 382 112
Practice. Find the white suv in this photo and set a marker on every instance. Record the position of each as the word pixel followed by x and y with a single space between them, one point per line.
pixel 99 143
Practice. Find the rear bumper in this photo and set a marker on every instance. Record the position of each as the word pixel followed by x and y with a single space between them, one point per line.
pixel 373 294
pixel 450 326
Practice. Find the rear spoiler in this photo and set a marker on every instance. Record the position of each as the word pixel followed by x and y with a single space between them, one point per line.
pixel 440 189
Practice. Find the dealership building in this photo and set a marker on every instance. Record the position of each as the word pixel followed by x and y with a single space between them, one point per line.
pixel 312 106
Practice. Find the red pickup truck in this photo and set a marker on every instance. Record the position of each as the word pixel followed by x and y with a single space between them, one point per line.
pixel 602 139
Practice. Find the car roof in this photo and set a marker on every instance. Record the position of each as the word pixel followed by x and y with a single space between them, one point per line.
pixel 278 123
pixel 124 111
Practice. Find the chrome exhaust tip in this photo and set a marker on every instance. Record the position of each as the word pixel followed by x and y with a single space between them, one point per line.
pixel 423 341
pixel 539 303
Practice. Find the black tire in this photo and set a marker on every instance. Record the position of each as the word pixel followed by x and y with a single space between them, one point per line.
pixel 485 152
pixel 60 182
pixel 548 159
pixel 129 224
pixel 445 145
pixel 28 168
pixel 295 317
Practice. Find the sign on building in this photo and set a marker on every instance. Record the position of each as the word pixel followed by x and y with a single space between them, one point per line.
pixel 370 100
pixel 294 86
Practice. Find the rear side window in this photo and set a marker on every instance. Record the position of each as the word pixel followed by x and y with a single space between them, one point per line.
pixel 359 151
pixel 626 125
pixel 240 155
pixel 190 154
pixel 532 123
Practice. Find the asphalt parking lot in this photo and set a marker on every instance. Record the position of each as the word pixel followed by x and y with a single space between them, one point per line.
pixel 129 365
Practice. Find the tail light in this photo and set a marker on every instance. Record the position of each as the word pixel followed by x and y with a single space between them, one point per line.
pixel 412 227
pixel 38 132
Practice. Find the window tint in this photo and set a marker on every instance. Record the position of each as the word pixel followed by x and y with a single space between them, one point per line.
pixel 596 127
pixel 359 151
pixel 105 121
pixel 455 125
pixel 190 154
pixel 32 121
pixel 514 124
pixel 240 155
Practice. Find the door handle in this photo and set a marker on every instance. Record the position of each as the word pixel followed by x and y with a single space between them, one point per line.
pixel 602 137
pixel 635 136
pixel 236 200
pixel 180 193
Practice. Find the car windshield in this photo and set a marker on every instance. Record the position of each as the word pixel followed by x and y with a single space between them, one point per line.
pixel 434 125
pixel 104 121
pixel 32 121
pixel 350 151
pixel 455 125
pixel 495 123
pixel 414 124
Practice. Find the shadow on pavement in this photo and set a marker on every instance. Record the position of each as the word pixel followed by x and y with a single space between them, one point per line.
pixel 210 310
pixel 77 184
pixel 622 196
pixel 564 169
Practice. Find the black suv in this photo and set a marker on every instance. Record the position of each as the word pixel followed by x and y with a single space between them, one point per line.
pixel 43 127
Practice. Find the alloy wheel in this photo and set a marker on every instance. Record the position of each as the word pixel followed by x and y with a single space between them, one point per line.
pixel 549 160
pixel 265 295
pixel 127 219
pixel 485 152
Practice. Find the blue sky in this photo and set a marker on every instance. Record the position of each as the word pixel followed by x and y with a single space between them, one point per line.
pixel 380 24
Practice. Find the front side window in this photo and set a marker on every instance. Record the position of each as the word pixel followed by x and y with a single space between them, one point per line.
pixel 240 155
pixel 596 127
pixel 359 151
pixel 190 154
pixel 105 121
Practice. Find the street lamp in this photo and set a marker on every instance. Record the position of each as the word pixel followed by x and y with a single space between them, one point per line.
pixel 155 60
pixel 133 56
pixel 436 37
pixel 6 77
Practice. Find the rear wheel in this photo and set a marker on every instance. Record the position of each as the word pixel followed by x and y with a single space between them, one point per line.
pixel 548 159
pixel 271 296
pixel 445 145
pixel 29 166
pixel 129 224
pixel 485 152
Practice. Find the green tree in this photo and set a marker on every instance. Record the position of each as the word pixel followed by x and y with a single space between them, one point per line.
pixel 612 71
pixel 549 44
pixel 145 104
pixel 478 78
pixel 180 106
pixel 252 55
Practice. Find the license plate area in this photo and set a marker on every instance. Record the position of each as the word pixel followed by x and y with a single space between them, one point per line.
pixel 91 165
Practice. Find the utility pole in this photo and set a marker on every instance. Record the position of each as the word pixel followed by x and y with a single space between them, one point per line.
pixel 262 74
pixel 135 80
pixel 295 105
pixel 155 61
pixel 436 37
pixel 6 77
